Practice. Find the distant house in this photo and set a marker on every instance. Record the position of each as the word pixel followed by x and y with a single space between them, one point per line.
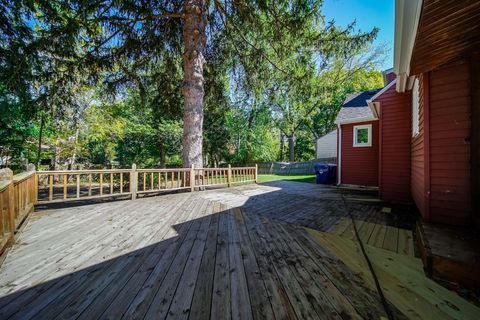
pixel 326 146
pixel 358 141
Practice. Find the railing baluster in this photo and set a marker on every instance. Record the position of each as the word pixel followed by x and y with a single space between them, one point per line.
pixel 65 177
pixel 151 181
pixel 133 186
pixel 121 182
pixel 90 185
pixel 101 184
pixel 111 183
pixel 50 189
pixel 78 186
pixel 192 178
pixel 35 188
pixel 144 181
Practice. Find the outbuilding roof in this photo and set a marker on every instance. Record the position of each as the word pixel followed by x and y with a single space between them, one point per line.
pixel 355 108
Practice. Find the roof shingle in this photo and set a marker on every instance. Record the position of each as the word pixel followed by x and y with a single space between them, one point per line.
pixel 355 107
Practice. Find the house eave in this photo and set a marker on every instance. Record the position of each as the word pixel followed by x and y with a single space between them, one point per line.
pixel 407 16
pixel 356 120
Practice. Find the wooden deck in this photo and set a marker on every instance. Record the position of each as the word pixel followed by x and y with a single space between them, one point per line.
pixel 249 252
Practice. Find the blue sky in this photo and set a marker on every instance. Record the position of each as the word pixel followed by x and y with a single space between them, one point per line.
pixel 369 14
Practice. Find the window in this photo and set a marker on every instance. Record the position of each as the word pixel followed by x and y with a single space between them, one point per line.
pixel 415 108
pixel 362 136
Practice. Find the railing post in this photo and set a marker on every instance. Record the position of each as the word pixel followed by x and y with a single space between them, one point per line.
pixel 229 176
pixel 192 178
pixel 30 168
pixel 134 181
pixel 7 176
pixel 256 173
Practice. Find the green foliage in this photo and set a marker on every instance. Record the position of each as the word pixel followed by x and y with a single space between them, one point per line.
pixel 106 79
pixel 17 129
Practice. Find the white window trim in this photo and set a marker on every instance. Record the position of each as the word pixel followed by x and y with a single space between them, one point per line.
pixel 364 126
pixel 415 108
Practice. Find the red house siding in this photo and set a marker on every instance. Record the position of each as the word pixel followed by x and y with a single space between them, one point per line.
pixel 395 133
pixel 389 77
pixel 441 151
pixel 359 165
pixel 450 125
pixel 475 145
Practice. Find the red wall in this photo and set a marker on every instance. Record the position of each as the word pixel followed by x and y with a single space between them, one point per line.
pixel 441 185
pixel 359 165
pixel 395 137
pixel 450 187
pixel 389 77
pixel 475 144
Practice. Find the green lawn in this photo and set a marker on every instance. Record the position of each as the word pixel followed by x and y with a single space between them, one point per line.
pixel 273 177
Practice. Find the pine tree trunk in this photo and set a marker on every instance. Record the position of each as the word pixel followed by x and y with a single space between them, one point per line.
pixel 281 147
pixel 248 143
pixel 71 163
pixel 161 147
pixel 193 60
pixel 291 148
pixel 40 136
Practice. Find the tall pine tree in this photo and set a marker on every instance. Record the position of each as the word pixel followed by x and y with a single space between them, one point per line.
pixel 119 41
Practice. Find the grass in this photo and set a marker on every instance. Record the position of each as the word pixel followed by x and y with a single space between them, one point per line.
pixel 274 177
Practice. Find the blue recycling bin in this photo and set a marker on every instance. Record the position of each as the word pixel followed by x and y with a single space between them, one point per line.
pixel 321 172
pixel 332 173
pixel 325 173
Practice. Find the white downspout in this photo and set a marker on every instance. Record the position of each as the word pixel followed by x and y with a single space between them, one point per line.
pixel 339 167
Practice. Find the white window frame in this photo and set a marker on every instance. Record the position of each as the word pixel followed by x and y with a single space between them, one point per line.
pixel 415 108
pixel 363 126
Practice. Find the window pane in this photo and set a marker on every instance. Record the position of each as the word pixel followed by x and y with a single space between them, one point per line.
pixel 362 136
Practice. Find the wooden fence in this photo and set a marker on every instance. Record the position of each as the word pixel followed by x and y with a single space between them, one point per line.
pixel 19 193
pixel 286 168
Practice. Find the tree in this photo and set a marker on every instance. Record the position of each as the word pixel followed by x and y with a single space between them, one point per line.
pixel 313 101
pixel 124 37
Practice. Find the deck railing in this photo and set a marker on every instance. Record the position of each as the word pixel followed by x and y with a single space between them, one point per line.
pixel 19 193
pixel 68 185
pixel 17 198
pixel 71 185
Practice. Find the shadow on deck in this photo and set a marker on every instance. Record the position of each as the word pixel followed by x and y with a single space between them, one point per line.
pixel 255 251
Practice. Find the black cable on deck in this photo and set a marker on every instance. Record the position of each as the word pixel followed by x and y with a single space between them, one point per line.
pixel 386 307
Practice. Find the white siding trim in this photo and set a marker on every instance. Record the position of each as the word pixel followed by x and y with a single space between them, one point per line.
pixel 356 120
pixel 365 126
pixel 407 16
pixel 339 158
pixel 415 108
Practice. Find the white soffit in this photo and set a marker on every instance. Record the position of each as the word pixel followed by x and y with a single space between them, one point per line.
pixel 407 16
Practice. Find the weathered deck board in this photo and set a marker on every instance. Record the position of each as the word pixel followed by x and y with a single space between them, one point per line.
pixel 235 253
pixel 402 280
